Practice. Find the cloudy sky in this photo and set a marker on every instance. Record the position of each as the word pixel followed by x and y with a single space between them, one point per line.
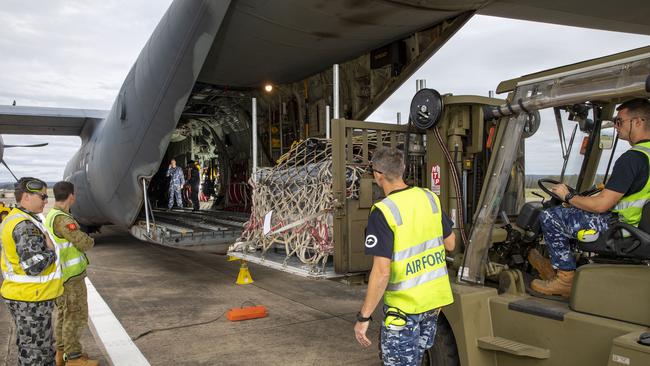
pixel 76 54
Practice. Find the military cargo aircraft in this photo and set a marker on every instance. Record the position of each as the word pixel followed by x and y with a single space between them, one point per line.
pixel 188 95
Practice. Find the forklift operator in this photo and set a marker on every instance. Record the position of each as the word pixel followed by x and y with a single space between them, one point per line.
pixel 623 198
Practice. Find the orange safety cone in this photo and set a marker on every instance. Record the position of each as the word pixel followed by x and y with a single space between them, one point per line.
pixel 244 276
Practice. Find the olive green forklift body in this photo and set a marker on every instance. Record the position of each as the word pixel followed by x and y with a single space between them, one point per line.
pixel 506 329
pixel 609 308
pixel 500 324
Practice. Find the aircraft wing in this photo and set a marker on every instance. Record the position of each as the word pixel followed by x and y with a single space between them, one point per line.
pixel 629 16
pixel 21 120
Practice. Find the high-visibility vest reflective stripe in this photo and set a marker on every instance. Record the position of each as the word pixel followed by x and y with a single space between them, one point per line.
pixel 629 208
pixel 17 284
pixel 73 260
pixel 419 281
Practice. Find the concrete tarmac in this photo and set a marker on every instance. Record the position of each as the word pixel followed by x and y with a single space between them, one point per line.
pixel 172 303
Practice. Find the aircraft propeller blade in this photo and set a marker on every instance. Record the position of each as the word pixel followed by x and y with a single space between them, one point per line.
pixel 33 145
pixel 12 173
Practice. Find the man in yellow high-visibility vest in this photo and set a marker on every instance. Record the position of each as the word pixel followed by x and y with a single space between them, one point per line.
pixel 32 276
pixel 71 308
pixel 625 194
pixel 407 235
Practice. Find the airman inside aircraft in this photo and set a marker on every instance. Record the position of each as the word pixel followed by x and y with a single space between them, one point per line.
pixel 195 182
pixel 623 199
pixel 176 182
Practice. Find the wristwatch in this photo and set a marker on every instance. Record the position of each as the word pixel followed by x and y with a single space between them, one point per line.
pixel 363 319
pixel 569 196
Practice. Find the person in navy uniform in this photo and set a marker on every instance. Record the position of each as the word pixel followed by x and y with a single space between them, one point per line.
pixel 176 182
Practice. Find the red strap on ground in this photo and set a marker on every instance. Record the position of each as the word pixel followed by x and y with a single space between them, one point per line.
pixel 245 313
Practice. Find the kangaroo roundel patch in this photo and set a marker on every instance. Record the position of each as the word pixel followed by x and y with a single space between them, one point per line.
pixel 371 241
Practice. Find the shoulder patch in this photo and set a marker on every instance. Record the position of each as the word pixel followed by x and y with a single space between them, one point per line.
pixel 371 241
pixel 72 226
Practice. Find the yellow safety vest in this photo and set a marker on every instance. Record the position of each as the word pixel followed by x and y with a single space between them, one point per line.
pixel 18 285
pixel 73 260
pixel 418 279
pixel 629 208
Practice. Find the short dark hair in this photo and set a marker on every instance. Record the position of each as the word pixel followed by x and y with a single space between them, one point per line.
pixel 389 161
pixel 639 107
pixel 27 185
pixel 63 190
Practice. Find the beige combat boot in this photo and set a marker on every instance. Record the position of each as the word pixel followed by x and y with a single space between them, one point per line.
pixel 59 358
pixel 560 285
pixel 82 361
pixel 541 264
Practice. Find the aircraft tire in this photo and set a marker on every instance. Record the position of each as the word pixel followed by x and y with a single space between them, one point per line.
pixel 444 351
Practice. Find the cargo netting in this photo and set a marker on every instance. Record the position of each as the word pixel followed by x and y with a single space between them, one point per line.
pixel 296 199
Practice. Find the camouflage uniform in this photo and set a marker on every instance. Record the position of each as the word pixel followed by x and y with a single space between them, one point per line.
pixel 559 224
pixel 175 184
pixel 72 307
pixel 33 331
pixel 33 320
pixel 407 346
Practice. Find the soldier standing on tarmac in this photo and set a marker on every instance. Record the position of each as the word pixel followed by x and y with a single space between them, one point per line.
pixel 72 307
pixel 176 182
pixel 407 235
pixel 32 273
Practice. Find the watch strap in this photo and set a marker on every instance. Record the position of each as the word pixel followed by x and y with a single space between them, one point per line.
pixel 568 196
pixel 362 319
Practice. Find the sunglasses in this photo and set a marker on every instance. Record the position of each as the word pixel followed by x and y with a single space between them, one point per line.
pixel 371 170
pixel 619 121
pixel 42 195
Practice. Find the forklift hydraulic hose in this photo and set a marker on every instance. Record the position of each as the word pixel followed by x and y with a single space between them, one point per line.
pixel 454 175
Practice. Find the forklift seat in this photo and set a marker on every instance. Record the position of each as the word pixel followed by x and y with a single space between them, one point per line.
pixel 613 243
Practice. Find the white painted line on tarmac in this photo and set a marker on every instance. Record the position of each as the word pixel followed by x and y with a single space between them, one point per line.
pixel 110 334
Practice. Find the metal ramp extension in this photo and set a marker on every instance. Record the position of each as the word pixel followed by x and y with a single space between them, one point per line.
pixel 277 259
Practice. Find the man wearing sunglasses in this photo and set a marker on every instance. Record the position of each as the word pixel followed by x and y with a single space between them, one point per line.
pixel 32 276
pixel 623 198
pixel 72 307
pixel 407 235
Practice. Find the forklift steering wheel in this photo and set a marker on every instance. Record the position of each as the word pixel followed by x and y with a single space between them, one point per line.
pixel 541 183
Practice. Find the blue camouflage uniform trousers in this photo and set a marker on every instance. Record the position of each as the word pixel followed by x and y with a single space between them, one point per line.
pixel 560 224
pixel 33 331
pixel 407 346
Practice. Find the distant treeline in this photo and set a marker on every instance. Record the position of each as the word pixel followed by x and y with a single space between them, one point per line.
pixel 531 180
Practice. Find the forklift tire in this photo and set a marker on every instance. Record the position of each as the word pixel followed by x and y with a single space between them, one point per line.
pixel 444 351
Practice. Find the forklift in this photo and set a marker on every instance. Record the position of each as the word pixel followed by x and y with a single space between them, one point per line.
pixel 470 150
